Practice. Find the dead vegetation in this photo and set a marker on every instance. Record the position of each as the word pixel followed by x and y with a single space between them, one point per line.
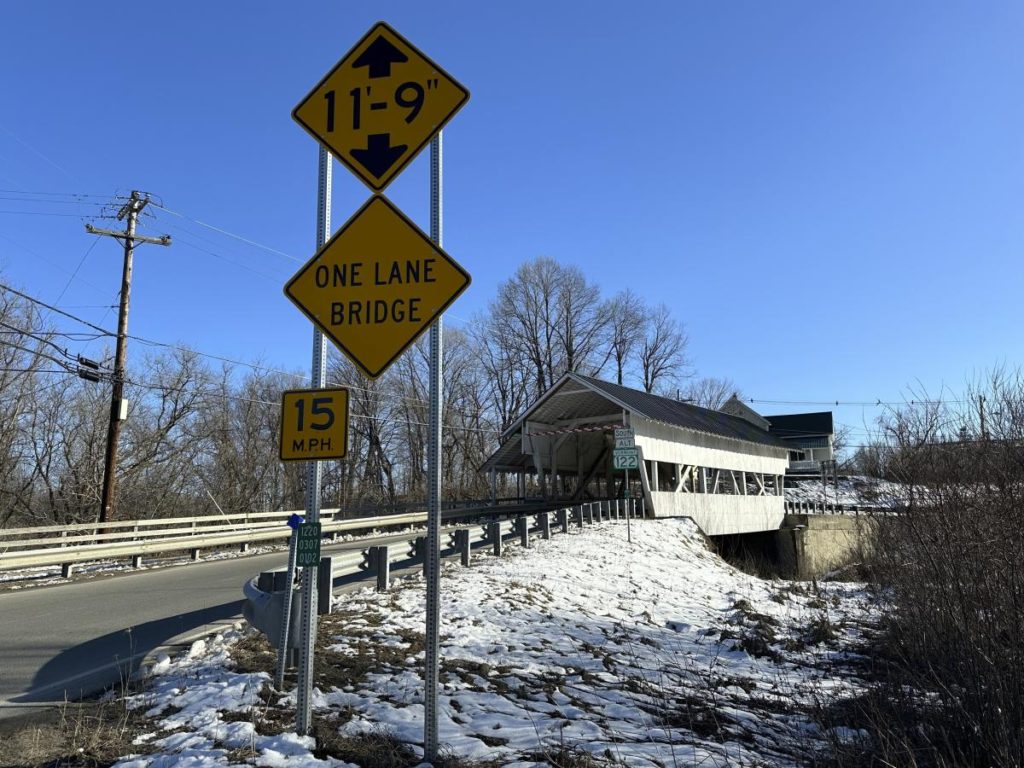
pixel 91 734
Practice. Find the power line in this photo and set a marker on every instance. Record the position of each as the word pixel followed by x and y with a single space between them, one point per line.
pixel 277 404
pixel 861 403
pixel 75 273
pixel 56 194
pixel 47 213
pixel 229 234
pixel 52 308
pixel 50 202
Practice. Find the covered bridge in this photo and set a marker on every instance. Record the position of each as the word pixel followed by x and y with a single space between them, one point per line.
pixel 723 470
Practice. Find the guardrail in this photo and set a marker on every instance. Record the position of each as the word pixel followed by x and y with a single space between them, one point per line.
pixel 263 609
pixel 830 508
pixel 136 539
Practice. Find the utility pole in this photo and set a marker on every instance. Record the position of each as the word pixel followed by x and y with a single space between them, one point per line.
pixel 118 410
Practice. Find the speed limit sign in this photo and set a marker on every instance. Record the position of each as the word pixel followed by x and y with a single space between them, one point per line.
pixel 314 424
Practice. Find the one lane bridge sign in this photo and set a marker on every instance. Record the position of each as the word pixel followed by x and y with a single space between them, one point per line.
pixel 380 105
pixel 376 285
pixel 314 424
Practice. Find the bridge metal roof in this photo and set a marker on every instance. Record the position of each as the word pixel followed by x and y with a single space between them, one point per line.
pixel 686 415
pixel 578 399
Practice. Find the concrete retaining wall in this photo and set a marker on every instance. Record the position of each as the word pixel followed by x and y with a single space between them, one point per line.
pixel 812 545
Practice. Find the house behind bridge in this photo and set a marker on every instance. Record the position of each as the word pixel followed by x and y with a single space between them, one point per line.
pixel 723 468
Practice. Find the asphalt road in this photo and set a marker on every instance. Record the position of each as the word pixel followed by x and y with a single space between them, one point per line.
pixel 64 642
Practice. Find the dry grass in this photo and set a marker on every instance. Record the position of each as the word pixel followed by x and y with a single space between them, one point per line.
pixel 379 748
pixel 80 735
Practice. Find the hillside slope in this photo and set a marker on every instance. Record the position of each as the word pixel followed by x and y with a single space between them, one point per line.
pixel 651 653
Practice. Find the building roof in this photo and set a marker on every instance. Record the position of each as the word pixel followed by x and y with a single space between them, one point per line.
pixel 801 424
pixel 679 414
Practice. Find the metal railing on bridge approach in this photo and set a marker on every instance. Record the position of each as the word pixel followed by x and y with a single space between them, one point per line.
pixel 67 545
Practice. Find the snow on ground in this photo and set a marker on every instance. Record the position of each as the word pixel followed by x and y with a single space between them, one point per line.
pixel 859 490
pixel 654 653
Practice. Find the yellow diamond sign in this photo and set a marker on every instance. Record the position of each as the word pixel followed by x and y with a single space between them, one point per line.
pixel 376 285
pixel 380 105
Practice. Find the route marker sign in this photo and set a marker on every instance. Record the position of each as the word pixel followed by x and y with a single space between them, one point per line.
pixel 376 285
pixel 626 458
pixel 314 424
pixel 380 105
pixel 308 546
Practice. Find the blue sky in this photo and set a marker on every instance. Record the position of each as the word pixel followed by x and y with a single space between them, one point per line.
pixel 829 195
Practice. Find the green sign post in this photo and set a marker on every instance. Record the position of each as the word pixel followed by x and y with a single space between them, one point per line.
pixel 308 545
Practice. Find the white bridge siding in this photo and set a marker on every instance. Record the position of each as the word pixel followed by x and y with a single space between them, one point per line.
pixel 753 469
pixel 718 514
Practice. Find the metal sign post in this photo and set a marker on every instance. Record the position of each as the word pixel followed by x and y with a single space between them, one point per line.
pixel 286 607
pixel 380 282
pixel 304 694
pixel 626 457
pixel 629 530
pixel 431 657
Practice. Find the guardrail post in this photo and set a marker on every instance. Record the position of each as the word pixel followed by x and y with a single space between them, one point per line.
pixel 494 534
pixel 136 561
pixel 616 509
pixel 579 511
pixel 462 544
pixel 545 525
pixel 243 547
pixel 65 570
pixel 193 554
pixel 523 524
pixel 590 515
pixel 324 586
pixel 381 561
pixel 563 519
pixel 419 551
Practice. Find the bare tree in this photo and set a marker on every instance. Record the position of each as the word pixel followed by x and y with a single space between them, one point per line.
pixel 505 377
pixel 628 316
pixel 710 392
pixel 663 354
pixel 525 317
pixel 583 320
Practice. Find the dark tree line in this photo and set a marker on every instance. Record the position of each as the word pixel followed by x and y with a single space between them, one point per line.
pixel 203 438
